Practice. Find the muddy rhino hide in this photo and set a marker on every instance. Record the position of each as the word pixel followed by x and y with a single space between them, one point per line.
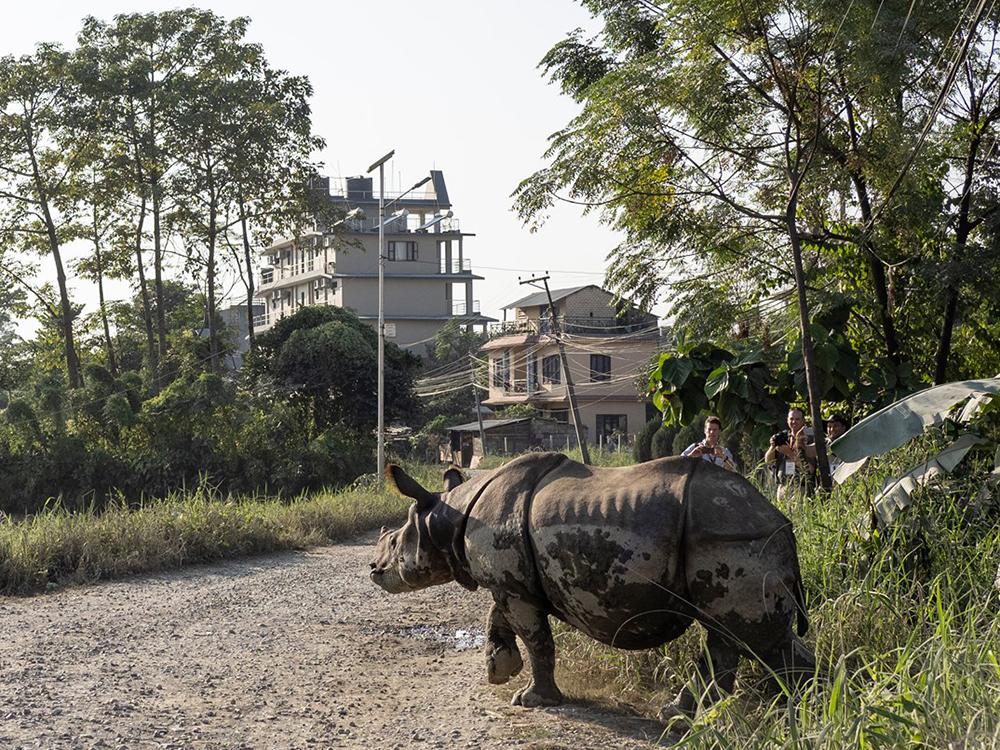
pixel 441 525
pixel 497 540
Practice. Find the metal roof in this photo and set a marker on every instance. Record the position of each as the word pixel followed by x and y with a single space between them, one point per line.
pixel 540 298
pixel 488 424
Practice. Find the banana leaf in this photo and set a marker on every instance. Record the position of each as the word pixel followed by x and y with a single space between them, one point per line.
pixel 905 419
pixel 846 470
pixel 896 496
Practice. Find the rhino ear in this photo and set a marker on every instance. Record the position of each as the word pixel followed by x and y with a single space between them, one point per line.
pixel 408 487
pixel 452 478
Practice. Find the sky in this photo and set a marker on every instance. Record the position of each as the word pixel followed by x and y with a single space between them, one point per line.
pixel 450 85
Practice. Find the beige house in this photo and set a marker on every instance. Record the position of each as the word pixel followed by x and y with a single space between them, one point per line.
pixel 428 277
pixel 609 349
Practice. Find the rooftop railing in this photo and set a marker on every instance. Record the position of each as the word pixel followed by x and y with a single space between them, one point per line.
pixel 576 326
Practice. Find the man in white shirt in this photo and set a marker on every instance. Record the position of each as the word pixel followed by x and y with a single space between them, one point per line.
pixel 709 448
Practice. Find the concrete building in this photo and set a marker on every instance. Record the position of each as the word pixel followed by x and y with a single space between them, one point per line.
pixel 609 348
pixel 428 276
pixel 234 316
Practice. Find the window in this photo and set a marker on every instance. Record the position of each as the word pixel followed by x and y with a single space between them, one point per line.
pixel 531 373
pixel 608 424
pixel 600 367
pixel 550 369
pixel 501 371
pixel 401 250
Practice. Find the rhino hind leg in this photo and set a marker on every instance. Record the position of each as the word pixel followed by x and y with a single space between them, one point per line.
pixel 503 659
pixel 531 624
pixel 792 662
pixel 716 674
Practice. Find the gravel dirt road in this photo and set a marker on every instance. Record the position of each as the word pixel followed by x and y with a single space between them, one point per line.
pixel 296 650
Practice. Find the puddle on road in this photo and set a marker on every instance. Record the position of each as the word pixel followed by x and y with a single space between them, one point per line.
pixel 460 640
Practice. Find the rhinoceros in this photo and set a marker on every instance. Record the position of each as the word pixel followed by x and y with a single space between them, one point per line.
pixel 630 556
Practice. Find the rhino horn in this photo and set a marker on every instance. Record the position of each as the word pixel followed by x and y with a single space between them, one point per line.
pixel 409 487
pixel 452 478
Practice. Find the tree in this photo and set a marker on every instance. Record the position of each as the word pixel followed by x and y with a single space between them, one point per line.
pixel 37 182
pixel 297 356
pixel 715 132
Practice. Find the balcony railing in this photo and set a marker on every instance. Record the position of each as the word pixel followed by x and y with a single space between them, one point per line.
pixel 406 225
pixel 274 275
pixel 461 308
pixel 571 325
pixel 518 387
pixel 457 266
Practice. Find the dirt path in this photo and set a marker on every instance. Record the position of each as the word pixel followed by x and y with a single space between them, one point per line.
pixel 286 651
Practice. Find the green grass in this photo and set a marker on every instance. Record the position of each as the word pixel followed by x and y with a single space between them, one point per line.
pixel 59 547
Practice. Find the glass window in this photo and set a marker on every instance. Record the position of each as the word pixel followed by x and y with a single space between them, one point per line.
pixel 608 424
pixel 550 369
pixel 501 371
pixel 600 367
pixel 401 250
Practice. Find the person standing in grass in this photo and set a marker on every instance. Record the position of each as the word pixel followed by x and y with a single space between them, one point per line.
pixel 792 455
pixel 709 449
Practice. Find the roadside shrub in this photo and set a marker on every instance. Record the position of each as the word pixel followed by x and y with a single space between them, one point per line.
pixel 662 444
pixel 642 450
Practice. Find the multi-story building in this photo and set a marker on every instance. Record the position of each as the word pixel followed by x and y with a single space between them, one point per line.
pixel 428 277
pixel 609 348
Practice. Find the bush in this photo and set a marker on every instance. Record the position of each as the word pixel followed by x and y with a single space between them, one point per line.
pixel 642 451
pixel 662 444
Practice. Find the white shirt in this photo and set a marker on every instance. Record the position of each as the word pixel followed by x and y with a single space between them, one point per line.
pixel 711 457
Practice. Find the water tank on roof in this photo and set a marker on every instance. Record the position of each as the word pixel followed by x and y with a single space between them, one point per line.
pixel 359 188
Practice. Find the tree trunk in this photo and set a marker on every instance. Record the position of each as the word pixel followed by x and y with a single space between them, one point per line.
pixel 72 362
pixel 250 285
pixel 876 270
pixel 99 261
pixel 161 316
pixel 147 313
pixel 962 232
pixel 213 351
pixel 808 355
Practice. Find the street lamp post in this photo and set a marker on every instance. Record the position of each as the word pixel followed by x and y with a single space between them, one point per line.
pixel 381 306
pixel 381 312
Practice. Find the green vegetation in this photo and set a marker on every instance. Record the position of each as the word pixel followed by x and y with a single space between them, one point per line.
pixel 811 185
pixel 58 546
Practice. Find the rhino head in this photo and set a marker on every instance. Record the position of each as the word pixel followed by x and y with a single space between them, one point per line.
pixel 419 553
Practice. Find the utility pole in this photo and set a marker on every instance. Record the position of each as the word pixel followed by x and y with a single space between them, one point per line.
pixel 380 164
pixel 584 451
pixel 479 414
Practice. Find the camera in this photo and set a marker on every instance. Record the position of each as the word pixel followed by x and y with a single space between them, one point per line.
pixel 780 438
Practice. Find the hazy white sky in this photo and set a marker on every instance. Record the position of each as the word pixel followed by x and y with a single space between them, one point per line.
pixel 449 84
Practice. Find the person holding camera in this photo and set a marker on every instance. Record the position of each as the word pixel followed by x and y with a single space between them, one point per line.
pixel 792 453
pixel 709 449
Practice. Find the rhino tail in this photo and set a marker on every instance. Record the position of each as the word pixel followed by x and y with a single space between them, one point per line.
pixel 802 617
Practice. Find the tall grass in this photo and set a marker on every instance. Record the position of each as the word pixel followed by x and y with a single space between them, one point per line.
pixel 58 547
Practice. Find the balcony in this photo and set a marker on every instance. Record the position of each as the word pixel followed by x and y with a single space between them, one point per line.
pixel 461 308
pixel 457 266
pixel 403 225
pixel 528 389
pixel 602 327
pixel 298 273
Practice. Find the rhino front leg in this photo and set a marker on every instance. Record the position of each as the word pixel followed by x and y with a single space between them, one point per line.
pixel 503 659
pixel 532 626
pixel 716 672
